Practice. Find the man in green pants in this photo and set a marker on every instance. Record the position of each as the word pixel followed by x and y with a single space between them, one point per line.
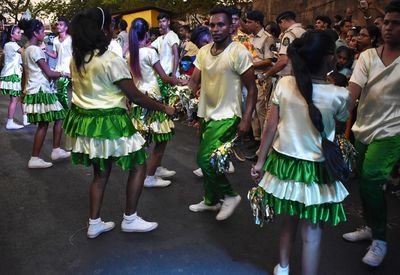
pixel 376 82
pixel 222 68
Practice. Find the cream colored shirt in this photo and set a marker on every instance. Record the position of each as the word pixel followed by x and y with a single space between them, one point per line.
pixel 64 53
pixel 296 136
pixel 221 85
pixel 163 44
pixel 36 79
pixel 378 112
pixel 12 60
pixel 293 32
pixel 262 43
pixel 95 88
pixel 148 83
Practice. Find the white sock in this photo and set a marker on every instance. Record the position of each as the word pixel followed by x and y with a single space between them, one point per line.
pixel 10 120
pixel 34 158
pixel 150 177
pixel 130 217
pixel 56 149
pixel 95 221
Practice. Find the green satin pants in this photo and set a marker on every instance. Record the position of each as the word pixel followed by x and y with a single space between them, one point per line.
pixel 375 161
pixel 214 133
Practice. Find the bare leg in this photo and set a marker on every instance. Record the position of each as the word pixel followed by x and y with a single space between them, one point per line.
pixel 97 187
pixel 311 237
pixel 40 135
pixel 57 132
pixel 287 238
pixel 134 188
pixel 156 157
pixel 11 106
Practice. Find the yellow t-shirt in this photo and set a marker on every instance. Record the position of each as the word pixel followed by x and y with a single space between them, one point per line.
pixel 221 85
pixel 95 87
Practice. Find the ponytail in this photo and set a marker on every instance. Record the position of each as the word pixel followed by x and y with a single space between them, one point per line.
pixel 137 33
pixel 306 54
pixel 88 36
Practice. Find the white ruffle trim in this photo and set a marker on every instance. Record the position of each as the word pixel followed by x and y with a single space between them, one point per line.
pixel 104 148
pixel 42 108
pixel 308 194
pixel 8 85
pixel 164 127
pixel 156 127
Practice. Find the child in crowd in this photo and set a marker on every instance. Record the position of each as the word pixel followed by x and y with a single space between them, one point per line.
pixel 300 128
pixel 10 78
pixel 41 103
pixel 99 130
pixel 145 66
pixel 344 61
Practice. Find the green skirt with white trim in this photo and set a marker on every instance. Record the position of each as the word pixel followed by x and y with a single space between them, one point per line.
pixel 302 188
pixel 43 107
pixel 10 85
pixel 98 136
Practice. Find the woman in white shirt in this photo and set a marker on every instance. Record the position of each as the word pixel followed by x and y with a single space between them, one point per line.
pixel 10 78
pixel 41 103
pixel 300 129
pixel 145 66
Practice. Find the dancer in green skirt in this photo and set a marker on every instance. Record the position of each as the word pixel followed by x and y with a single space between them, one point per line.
pixel 291 161
pixel 222 68
pixel 99 130
pixel 145 67
pixel 10 78
pixel 40 102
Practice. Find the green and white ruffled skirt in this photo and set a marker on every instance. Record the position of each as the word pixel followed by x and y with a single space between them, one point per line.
pixel 98 135
pixel 10 85
pixel 156 126
pixel 43 106
pixel 302 188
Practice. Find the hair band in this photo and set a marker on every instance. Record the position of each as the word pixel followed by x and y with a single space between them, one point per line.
pixel 103 17
pixel 12 29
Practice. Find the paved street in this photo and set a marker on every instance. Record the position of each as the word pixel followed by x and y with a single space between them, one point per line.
pixel 44 215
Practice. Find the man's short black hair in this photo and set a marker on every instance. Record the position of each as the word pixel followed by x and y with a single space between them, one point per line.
pixel 341 23
pixel 288 15
pixel 123 25
pixel 324 19
pixel 186 28
pixel 224 10
pixel 63 19
pixel 393 6
pixel 163 15
pixel 236 11
pixel 256 15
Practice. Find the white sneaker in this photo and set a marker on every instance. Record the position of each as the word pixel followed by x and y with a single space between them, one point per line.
pixel 376 253
pixel 11 125
pixel 97 226
pixel 278 270
pixel 134 223
pixel 36 162
pixel 228 206
pixel 153 181
pixel 361 234
pixel 201 206
pixel 231 168
pixel 25 121
pixel 198 172
pixel 59 153
pixel 164 172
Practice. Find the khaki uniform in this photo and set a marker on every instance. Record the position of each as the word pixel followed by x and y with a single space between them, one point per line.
pixel 293 32
pixel 262 43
